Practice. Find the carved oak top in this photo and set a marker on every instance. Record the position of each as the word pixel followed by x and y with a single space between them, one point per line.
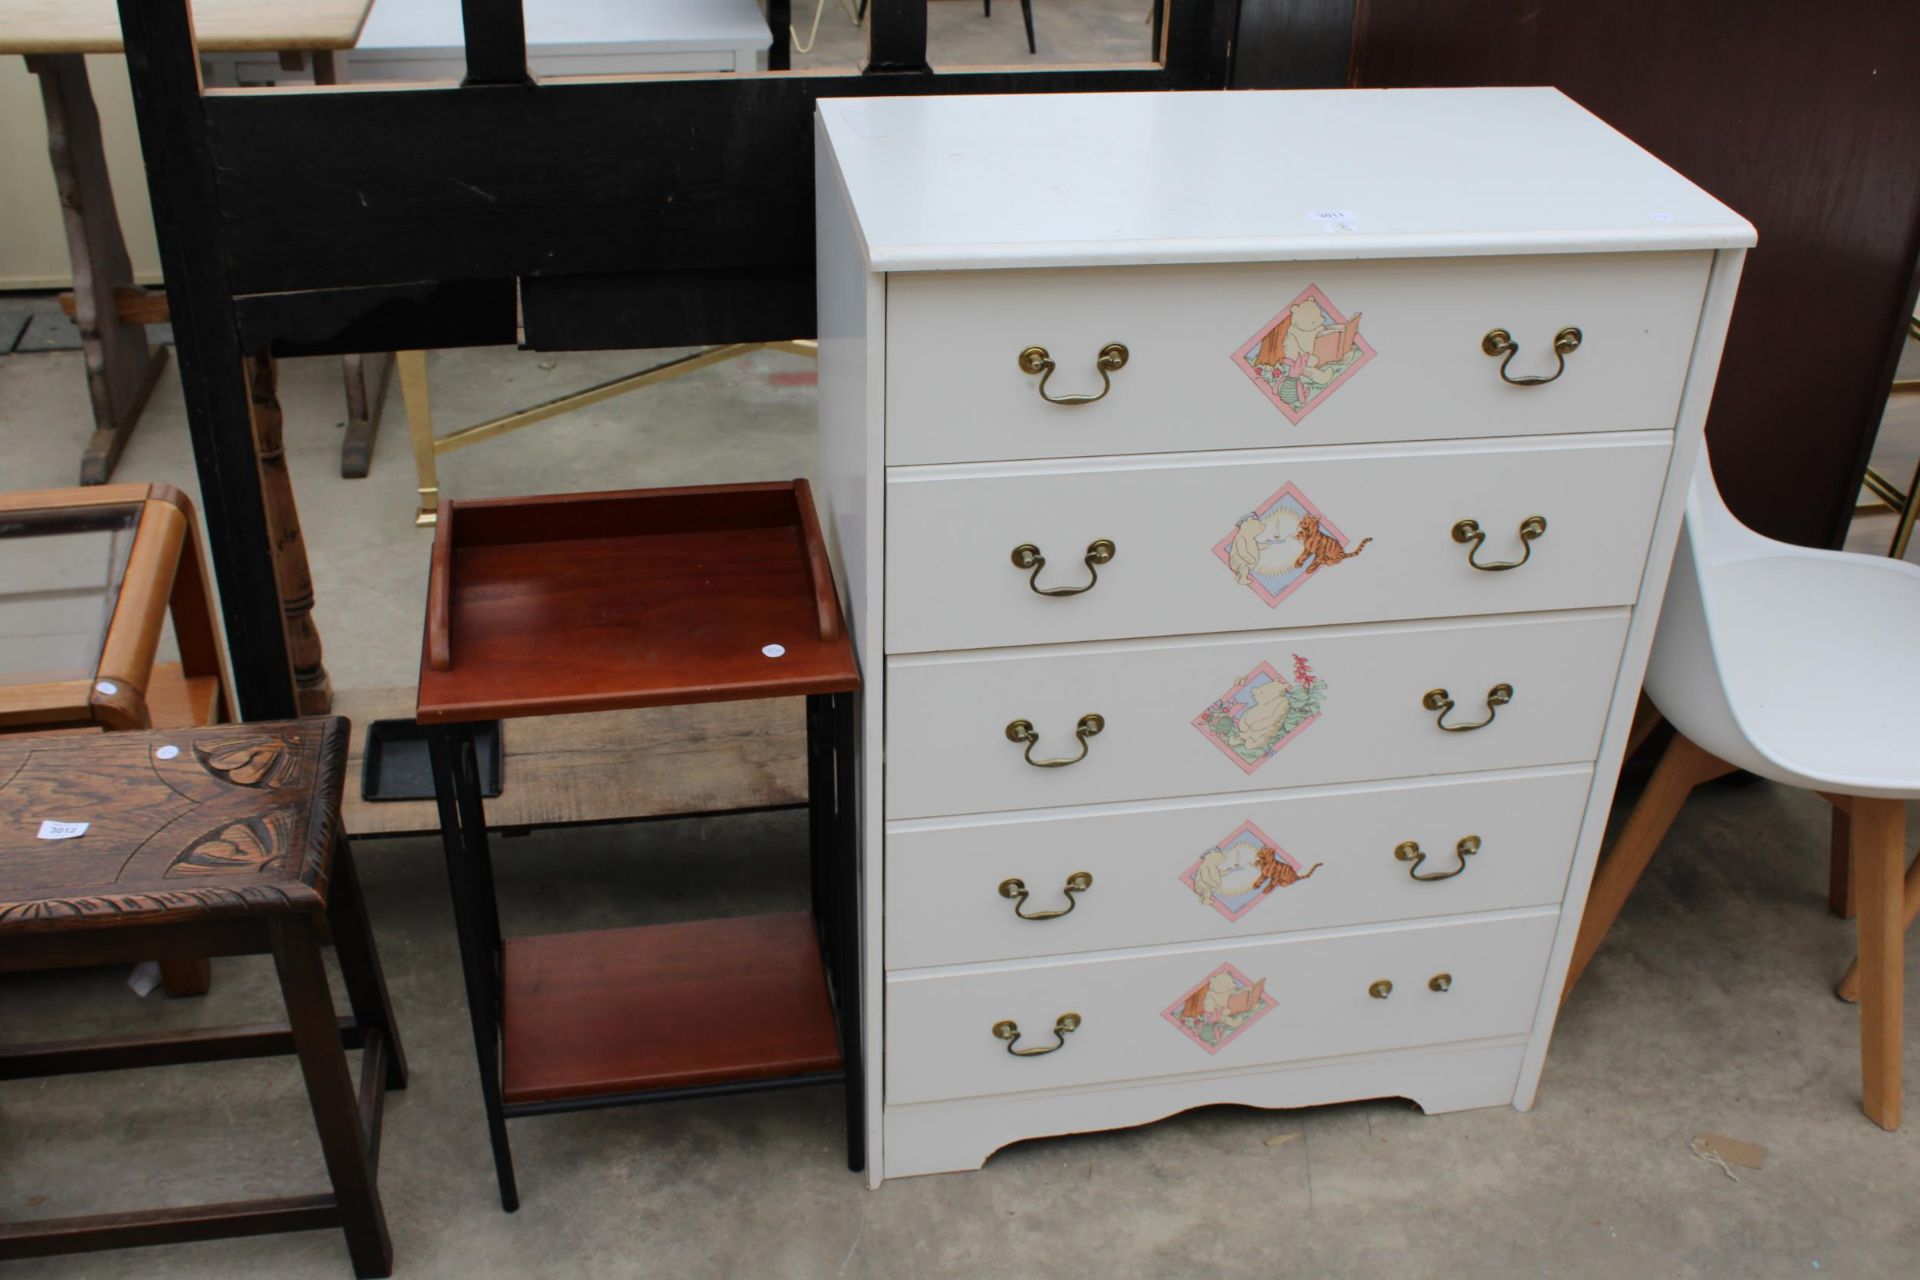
pixel 222 820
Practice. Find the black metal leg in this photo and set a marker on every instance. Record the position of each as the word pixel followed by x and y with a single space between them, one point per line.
pixel 847 940
pixel 1026 12
pixel 360 961
pixel 450 748
pixel 821 851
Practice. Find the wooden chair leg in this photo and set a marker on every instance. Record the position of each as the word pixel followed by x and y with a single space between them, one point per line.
pixel 186 977
pixel 1840 865
pixel 1879 840
pixel 1683 766
pixel 1849 988
pixel 336 1108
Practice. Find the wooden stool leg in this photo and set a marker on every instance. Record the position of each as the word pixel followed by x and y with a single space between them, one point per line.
pixel 360 960
pixel 1879 847
pixel 1849 988
pixel 336 1109
pixel 186 977
pixel 1683 766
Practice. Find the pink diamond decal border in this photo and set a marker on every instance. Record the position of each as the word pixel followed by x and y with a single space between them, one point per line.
pixel 1211 1008
pixel 1282 369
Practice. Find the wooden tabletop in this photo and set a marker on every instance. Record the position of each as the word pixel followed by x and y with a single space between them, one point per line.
pixel 162 826
pixel 221 26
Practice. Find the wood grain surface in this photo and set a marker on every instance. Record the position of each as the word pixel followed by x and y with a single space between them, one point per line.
pixel 93 26
pixel 648 763
pixel 664 1007
pixel 234 819
pixel 597 602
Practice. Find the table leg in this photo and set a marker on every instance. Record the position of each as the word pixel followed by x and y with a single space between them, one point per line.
pixel 845 717
pixel 121 367
pixel 413 396
pixel 312 687
pixel 366 383
pixel 457 793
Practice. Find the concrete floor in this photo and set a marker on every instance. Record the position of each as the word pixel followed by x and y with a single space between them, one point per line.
pixel 1709 1009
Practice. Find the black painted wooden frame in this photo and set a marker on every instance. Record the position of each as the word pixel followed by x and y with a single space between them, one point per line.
pixel 607 213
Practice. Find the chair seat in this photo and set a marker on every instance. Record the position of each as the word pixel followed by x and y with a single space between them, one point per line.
pixel 1820 690
pixel 220 821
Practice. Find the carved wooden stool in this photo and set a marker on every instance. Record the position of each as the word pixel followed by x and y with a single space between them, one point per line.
pixel 223 840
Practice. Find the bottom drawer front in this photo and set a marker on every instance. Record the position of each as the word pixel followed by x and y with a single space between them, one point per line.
pixel 1212 1008
pixel 1227 867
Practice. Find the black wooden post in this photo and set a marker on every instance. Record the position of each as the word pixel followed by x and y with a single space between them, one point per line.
pixel 897 37
pixel 164 66
pixel 780 27
pixel 496 42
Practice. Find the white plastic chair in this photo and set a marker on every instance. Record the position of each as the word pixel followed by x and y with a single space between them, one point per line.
pixel 1797 665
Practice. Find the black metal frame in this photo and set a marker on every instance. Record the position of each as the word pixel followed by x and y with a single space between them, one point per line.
pixel 675 211
pixel 834 876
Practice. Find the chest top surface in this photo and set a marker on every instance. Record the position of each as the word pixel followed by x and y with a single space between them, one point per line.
pixel 1071 179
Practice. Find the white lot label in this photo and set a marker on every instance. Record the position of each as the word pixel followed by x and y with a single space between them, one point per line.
pixel 51 830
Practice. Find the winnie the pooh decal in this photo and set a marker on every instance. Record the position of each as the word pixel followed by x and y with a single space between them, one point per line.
pixel 1223 1006
pixel 1262 713
pixel 1276 547
pixel 1239 873
pixel 1303 353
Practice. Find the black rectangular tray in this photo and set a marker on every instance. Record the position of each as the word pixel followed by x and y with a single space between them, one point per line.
pixel 396 766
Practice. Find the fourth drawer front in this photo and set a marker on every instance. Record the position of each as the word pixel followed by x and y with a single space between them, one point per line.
pixel 1093 724
pixel 1056 1024
pixel 982 556
pixel 1057 882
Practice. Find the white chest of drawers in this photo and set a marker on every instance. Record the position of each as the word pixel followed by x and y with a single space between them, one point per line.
pixel 1215 747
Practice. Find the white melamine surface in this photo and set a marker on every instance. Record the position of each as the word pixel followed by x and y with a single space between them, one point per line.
pixel 956 391
pixel 948 753
pixel 940 1021
pixel 1181 871
pixel 1075 179
pixel 1193 552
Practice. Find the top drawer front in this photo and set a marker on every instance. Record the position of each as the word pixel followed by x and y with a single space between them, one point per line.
pixel 1395 354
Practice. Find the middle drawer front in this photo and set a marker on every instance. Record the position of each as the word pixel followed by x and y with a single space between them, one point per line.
pixel 1227 868
pixel 1237 541
pixel 1188 1009
pixel 1250 712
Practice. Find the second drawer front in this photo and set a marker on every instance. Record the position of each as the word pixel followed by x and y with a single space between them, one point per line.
pixel 1254 712
pixel 1233 868
pixel 1214 1008
pixel 1230 542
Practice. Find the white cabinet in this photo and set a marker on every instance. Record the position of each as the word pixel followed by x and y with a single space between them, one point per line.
pixel 1252 566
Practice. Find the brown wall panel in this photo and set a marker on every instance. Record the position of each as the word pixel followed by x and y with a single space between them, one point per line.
pixel 1807 121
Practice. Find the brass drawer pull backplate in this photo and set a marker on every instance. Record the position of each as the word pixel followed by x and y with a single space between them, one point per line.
pixel 1063 1026
pixel 1410 851
pixel 1441 701
pixel 1027 556
pixel 1470 531
pixel 1112 357
pixel 1498 342
pixel 1022 731
pixel 1015 888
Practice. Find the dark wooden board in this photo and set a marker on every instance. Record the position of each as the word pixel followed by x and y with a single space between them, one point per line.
pixel 669 1006
pixel 1808 128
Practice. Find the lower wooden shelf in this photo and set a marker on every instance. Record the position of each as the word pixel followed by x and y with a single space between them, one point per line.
pixel 674 1006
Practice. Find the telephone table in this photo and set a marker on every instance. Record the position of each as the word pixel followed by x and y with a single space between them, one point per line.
pixel 606 601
